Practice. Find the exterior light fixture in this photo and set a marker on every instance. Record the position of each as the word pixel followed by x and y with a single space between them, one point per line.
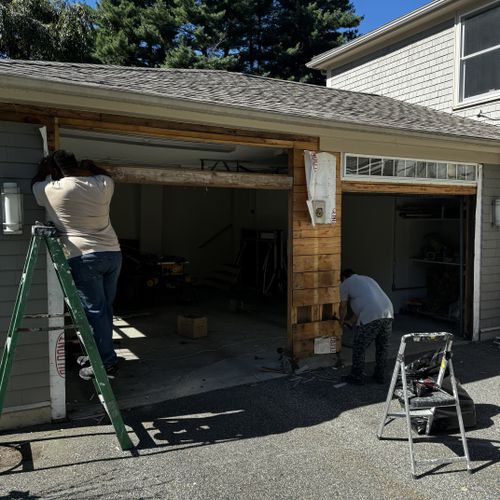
pixel 12 207
pixel 495 212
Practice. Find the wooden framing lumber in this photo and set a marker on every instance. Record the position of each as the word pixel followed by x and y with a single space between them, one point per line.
pixel 402 188
pixel 134 174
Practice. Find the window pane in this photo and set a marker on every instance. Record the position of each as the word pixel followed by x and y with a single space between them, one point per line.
pixel 481 31
pixel 364 166
pixel 376 166
pixel 466 173
pixel 431 170
pixel 442 171
pixel 351 165
pixel 481 74
pixel 452 171
pixel 400 168
pixel 471 172
pixel 421 169
pixel 388 168
pixel 411 167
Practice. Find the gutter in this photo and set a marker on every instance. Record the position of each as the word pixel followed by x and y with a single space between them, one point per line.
pixel 383 35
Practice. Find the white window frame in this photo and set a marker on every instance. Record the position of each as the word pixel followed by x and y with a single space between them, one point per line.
pixel 481 98
pixel 405 180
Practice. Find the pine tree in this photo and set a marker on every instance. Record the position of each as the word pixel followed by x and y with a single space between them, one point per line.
pixel 136 33
pixel 306 29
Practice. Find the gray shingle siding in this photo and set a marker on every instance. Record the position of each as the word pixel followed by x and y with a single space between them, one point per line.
pixel 20 151
pixel 490 252
pixel 418 70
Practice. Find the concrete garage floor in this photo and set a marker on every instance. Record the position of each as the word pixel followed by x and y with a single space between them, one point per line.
pixel 241 348
pixel 158 364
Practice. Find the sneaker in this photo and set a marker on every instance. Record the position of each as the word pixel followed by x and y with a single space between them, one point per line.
pixel 82 360
pixel 88 372
pixel 350 379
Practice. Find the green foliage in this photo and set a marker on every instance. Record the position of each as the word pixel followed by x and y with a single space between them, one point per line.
pixel 46 30
pixel 136 33
pixel 274 38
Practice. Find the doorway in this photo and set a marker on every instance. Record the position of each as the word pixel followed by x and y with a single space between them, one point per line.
pixel 419 249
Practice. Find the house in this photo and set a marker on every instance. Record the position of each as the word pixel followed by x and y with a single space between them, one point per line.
pixel 444 55
pixel 210 165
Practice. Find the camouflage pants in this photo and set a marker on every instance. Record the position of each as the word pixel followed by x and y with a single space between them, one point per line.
pixel 379 331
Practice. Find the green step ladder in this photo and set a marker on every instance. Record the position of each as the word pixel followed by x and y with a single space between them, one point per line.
pixel 48 234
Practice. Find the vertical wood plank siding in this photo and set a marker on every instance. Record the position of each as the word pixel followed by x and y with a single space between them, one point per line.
pixel 20 150
pixel 314 267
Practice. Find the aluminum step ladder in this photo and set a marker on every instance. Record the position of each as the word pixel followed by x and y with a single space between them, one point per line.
pixel 48 234
pixel 424 406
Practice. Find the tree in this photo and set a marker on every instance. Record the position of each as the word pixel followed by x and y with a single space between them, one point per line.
pixel 305 29
pixel 274 38
pixel 46 30
pixel 136 33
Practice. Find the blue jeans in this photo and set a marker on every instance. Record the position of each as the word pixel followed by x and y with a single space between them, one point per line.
pixel 96 276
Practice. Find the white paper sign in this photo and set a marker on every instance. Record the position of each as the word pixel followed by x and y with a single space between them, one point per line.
pixel 321 186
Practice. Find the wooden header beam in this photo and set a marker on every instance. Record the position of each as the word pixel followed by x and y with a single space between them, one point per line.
pixel 402 188
pixel 121 124
pixel 135 174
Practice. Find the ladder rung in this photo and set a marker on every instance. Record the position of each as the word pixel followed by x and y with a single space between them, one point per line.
pixel 46 329
pixel 439 461
pixel 413 413
pixel 45 315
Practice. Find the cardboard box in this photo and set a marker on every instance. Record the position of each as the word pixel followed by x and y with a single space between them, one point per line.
pixel 192 326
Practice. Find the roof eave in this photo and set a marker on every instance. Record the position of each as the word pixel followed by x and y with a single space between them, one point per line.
pixel 73 96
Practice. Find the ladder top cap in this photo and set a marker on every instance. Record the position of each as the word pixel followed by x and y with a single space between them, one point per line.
pixel 427 337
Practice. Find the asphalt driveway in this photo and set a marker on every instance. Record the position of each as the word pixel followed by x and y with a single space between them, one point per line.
pixel 293 437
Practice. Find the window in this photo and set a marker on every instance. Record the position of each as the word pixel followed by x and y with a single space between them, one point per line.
pixel 401 169
pixel 480 54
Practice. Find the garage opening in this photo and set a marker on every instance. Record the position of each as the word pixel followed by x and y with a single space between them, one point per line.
pixel 419 249
pixel 202 296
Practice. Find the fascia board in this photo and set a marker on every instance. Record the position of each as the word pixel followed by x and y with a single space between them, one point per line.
pixel 96 99
pixel 399 29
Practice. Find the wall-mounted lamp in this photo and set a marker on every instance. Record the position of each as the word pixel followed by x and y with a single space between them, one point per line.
pixel 495 212
pixel 12 207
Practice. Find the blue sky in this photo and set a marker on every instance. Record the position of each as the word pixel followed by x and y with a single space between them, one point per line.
pixel 379 12
pixel 375 12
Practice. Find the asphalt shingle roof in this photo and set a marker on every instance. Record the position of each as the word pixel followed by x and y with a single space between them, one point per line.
pixel 256 93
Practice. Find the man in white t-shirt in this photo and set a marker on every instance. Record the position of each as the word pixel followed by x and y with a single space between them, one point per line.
pixel 77 197
pixel 373 314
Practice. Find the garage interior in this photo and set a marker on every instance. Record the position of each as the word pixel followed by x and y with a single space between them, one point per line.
pixel 217 257
pixel 416 248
